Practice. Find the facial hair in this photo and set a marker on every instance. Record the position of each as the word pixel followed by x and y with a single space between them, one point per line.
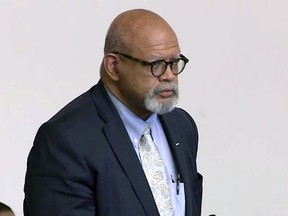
pixel 164 105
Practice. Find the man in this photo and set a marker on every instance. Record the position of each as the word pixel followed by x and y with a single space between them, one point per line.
pixel 5 210
pixel 92 158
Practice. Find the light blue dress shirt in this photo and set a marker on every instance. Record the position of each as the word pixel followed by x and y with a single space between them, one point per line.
pixel 135 127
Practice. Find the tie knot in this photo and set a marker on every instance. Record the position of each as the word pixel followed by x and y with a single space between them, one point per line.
pixel 146 137
pixel 147 130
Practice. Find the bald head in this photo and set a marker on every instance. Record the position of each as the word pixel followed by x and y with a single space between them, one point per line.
pixel 133 28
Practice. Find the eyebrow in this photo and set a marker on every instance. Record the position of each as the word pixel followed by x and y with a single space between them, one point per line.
pixel 156 57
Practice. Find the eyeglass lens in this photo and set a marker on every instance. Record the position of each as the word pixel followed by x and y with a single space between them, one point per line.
pixel 160 67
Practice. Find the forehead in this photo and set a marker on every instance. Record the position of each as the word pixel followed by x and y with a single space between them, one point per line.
pixel 156 42
pixel 145 33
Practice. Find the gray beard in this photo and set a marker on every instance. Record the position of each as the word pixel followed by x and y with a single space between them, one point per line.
pixel 155 106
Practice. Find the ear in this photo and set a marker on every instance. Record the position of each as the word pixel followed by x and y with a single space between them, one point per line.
pixel 110 63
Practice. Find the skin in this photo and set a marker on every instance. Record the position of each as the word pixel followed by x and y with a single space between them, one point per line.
pixel 7 213
pixel 147 37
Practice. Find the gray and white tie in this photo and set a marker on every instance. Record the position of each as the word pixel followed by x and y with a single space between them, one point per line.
pixel 153 167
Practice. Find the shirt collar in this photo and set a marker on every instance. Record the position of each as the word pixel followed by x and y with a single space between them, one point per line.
pixel 134 125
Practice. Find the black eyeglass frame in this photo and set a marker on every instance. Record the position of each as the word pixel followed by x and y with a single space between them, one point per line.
pixel 151 64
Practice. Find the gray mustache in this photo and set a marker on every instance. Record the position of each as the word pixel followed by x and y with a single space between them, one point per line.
pixel 165 86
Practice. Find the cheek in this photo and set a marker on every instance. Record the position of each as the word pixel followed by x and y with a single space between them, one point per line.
pixel 137 83
pixel 146 85
pixel 134 89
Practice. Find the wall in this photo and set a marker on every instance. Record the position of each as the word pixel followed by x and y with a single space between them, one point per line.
pixel 235 86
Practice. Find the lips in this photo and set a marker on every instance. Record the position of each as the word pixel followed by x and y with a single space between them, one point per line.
pixel 166 93
pixel 165 90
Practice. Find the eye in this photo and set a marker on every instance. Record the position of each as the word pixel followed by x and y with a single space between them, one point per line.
pixel 176 60
pixel 157 64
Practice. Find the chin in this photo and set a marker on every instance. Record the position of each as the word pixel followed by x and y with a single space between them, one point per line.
pixel 161 106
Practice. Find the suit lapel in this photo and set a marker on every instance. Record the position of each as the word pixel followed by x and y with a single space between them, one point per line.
pixel 119 141
pixel 174 139
pixel 124 151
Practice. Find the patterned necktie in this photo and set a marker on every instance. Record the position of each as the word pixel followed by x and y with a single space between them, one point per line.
pixel 155 173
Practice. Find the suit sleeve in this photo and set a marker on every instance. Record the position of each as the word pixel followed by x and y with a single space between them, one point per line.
pixel 58 181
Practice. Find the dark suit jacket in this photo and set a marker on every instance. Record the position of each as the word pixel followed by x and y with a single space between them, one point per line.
pixel 83 163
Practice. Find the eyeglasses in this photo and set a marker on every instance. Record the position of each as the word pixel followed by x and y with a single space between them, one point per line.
pixel 159 67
